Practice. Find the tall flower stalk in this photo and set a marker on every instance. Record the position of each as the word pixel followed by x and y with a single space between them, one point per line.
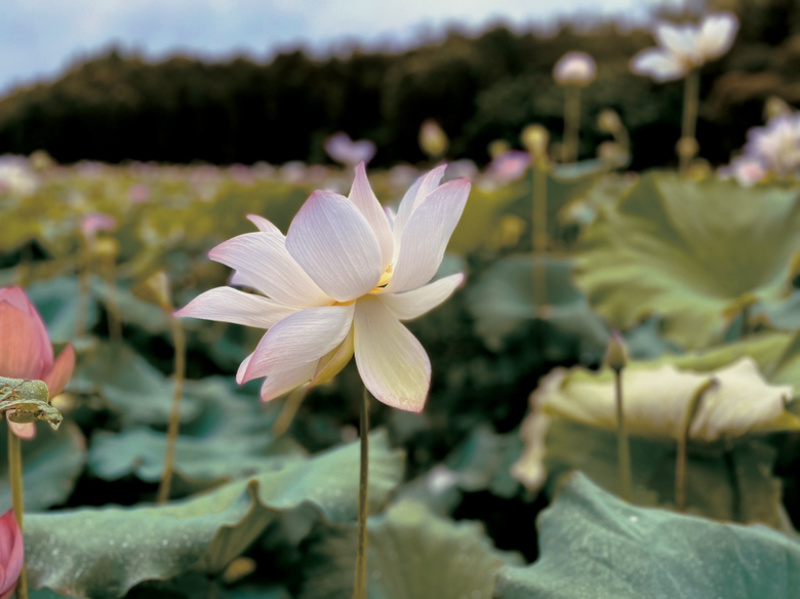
pixel 573 71
pixel 616 359
pixel 338 284
pixel 681 51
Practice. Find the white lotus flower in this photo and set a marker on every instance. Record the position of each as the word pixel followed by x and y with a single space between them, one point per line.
pixel 339 283
pixel 575 68
pixel 684 47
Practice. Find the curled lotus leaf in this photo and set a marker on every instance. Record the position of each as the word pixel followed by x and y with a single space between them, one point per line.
pixel 694 254
pixel 725 403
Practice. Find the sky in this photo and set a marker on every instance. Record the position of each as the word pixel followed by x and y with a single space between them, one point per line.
pixel 39 39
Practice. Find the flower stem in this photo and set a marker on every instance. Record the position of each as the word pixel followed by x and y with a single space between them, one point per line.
pixel 179 342
pixel 623 448
pixel 360 588
pixel 112 301
pixel 687 145
pixel 572 120
pixel 15 475
pixel 539 233
pixel 683 444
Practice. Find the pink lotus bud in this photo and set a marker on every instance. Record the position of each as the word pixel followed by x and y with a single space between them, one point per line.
pixel 345 151
pixel 12 554
pixel 94 222
pixel 25 350
pixel 575 68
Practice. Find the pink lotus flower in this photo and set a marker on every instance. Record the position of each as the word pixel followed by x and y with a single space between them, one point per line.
pixel 575 68
pixel 345 151
pixel 12 554
pixel 339 283
pixel 684 47
pixel 25 350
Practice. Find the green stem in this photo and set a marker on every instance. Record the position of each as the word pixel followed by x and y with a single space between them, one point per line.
pixel 681 458
pixel 687 145
pixel 572 120
pixel 360 589
pixel 82 311
pixel 15 475
pixel 623 447
pixel 112 302
pixel 539 233
pixel 179 342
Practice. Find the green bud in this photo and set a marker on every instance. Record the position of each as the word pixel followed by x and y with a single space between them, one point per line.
pixel 616 352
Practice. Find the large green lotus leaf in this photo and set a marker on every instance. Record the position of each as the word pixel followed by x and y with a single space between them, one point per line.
pixel 412 554
pixel 51 464
pixel 692 253
pixel 503 299
pixel 104 552
pixel 734 484
pixel 137 390
pixel 658 401
pixel 595 546
pixel 231 438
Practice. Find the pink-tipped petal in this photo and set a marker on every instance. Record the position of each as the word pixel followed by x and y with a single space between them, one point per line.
pixel 658 64
pixel 363 197
pixel 415 303
pixel 299 339
pixel 23 430
pixel 58 376
pixel 284 381
pixel 25 350
pixel 263 224
pixel 262 262
pixel 226 304
pixel 391 361
pixel 426 235
pixel 335 245
pixel 243 369
pixel 418 191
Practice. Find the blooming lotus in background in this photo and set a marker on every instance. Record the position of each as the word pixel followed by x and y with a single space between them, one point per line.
pixel 12 554
pixel 776 146
pixel 509 166
pixel 25 350
pixel 684 47
pixel 774 149
pixel 94 222
pixel 575 68
pixel 339 283
pixel 345 151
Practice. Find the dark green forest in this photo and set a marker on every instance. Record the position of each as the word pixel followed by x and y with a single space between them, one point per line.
pixel 118 106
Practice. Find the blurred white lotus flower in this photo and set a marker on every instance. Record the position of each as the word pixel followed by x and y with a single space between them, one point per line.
pixel 339 283
pixel 773 149
pixel 684 47
pixel 776 146
pixel 17 177
pixel 575 68
pixel 345 151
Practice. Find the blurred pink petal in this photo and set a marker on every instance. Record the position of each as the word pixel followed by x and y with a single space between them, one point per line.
pixel 12 553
